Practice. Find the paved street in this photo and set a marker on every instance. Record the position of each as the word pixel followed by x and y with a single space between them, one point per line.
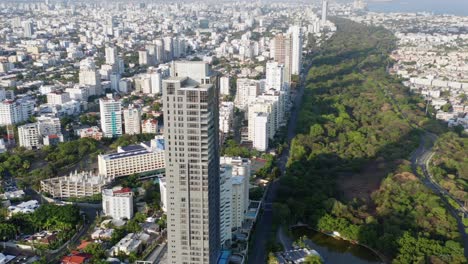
pixel 421 157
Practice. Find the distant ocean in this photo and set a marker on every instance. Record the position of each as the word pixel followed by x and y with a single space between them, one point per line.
pixel 454 7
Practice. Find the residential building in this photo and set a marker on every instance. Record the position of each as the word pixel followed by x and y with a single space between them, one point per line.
pixel 224 85
pixel 28 29
pixel 225 210
pixel 132 120
pixel 77 184
pixel 143 57
pixel 192 161
pixel 324 11
pixel 131 243
pixel 226 117
pixel 111 116
pixel 118 203
pixel 247 91
pixel 13 112
pixel 282 45
pixel 90 132
pixel 29 136
pixel 296 50
pixel 111 55
pixel 58 98
pixel 241 170
pixel 89 76
pixel 261 133
pixel 239 200
pixel 149 126
pixel 275 76
pixel 145 158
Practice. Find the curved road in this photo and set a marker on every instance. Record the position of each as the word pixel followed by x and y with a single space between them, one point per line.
pixel 263 227
pixel 421 158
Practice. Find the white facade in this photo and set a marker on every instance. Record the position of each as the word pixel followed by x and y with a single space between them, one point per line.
pixel 134 159
pixel 118 203
pixel 224 85
pixel 111 116
pixel 261 132
pixel 296 52
pixel 269 107
pixel 324 11
pixel 149 126
pixel 132 120
pixel 111 55
pixel 156 82
pixel 143 57
pixel 226 116
pixel 239 200
pixel 89 76
pixel 274 76
pixel 58 98
pixel 225 212
pixel 29 136
pixel 13 112
pixel 247 91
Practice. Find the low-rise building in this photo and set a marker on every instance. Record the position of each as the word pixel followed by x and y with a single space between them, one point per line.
pixel 131 243
pixel 149 126
pixel 147 157
pixel 118 203
pixel 90 132
pixel 76 184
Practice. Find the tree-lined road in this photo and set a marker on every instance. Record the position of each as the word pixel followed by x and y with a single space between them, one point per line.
pixel 421 158
pixel 263 227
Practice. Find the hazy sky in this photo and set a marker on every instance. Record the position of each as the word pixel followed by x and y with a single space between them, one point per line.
pixel 458 7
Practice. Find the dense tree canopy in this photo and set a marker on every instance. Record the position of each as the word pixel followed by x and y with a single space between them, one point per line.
pixel 353 114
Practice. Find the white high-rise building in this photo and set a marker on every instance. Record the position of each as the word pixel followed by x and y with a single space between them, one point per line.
pixel 225 210
pixel 324 11
pixel 192 164
pixel 111 116
pixel 224 85
pixel 28 29
pixel 241 170
pixel 118 203
pixel 296 52
pixel 58 98
pixel 111 55
pixel 247 91
pixel 261 131
pixel 143 57
pixel 156 81
pixel 275 76
pixel 132 120
pixel 268 106
pixel 49 125
pixel 89 76
pixel 29 136
pixel 226 116
pixel 13 112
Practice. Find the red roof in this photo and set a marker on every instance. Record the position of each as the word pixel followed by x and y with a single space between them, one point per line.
pixel 76 259
pixel 53 136
pixel 123 190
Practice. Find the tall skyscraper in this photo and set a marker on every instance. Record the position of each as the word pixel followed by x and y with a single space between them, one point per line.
pixel 296 51
pixel 192 164
pixel 324 11
pixel 111 116
pixel 283 51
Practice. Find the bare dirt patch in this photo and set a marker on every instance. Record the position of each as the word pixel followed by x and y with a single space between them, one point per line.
pixel 362 185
